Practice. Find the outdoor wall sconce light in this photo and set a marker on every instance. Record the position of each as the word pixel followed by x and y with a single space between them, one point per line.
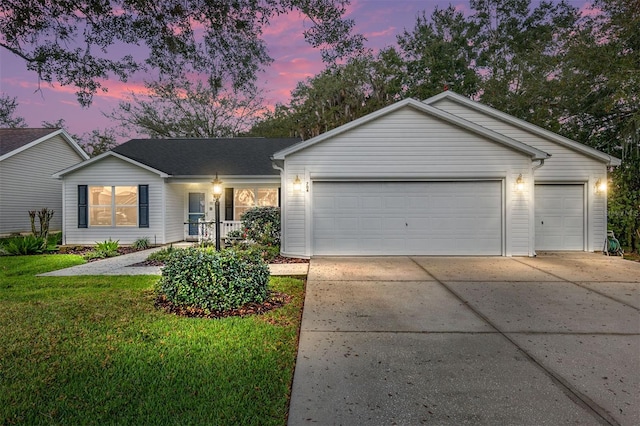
pixel 297 184
pixel 217 192
pixel 601 186
pixel 520 183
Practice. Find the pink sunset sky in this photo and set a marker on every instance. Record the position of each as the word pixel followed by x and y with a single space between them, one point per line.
pixel 380 21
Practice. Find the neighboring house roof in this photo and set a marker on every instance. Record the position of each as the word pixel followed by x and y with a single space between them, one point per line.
pixel 525 125
pixel 198 157
pixel 13 141
pixel 534 153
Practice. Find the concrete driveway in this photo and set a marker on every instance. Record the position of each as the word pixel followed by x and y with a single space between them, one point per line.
pixel 469 340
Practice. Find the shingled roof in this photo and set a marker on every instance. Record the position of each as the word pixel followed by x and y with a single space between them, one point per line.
pixel 206 157
pixel 12 139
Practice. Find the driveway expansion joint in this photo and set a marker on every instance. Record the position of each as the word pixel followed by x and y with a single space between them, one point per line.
pixel 581 286
pixel 571 391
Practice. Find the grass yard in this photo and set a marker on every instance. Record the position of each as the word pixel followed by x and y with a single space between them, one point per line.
pixel 94 350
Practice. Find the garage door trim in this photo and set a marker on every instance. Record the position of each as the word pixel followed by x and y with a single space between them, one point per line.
pixel 585 216
pixel 498 192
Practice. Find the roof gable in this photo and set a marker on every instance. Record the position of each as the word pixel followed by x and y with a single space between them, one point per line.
pixel 524 125
pixel 101 157
pixel 534 153
pixel 14 141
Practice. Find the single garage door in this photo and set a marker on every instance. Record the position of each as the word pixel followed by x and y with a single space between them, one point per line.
pixel 559 214
pixel 400 218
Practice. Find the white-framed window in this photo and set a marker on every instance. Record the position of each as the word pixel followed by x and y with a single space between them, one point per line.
pixel 113 205
pixel 247 198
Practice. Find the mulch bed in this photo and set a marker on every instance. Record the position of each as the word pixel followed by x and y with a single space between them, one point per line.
pixel 82 250
pixel 276 300
pixel 282 259
pixel 278 259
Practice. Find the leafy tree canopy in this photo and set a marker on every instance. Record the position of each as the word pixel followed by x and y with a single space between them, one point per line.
pixel 189 110
pixel 75 43
pixel 8 106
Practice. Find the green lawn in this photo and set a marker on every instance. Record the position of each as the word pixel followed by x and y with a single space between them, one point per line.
pixel 94 350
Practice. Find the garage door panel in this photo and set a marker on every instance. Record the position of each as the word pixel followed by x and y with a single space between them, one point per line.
pixel 408 218
pixel 559 217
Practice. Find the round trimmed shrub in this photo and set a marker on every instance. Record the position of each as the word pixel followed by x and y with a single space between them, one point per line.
pixel 214 281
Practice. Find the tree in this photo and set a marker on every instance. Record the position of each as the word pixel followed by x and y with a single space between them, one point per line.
pixel 278 123
pixel 338 95
pixel 94 143
pixel 75 43
pixel 97 142
pixel 604 80
pixel 521 56
pixel 440 52
pixel 189 110
pixel 8 108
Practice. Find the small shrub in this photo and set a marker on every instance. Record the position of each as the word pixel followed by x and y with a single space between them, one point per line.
pixel 29 244
pixel 54 239
pixel 141 243
pixel 94 255
pixel 267 253
pixel 262 225
pixel 213 281
pixel 107 248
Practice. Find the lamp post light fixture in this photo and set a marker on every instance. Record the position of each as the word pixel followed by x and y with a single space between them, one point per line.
pixel 520 183
pixel 217 192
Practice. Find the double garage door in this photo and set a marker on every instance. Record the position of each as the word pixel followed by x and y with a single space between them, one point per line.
pixel 404 218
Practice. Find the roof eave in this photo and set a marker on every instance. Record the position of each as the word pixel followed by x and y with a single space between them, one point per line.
pixel 571 144
pixel 534 153
pixel 54 132
pixel 280 155
pixel 83 164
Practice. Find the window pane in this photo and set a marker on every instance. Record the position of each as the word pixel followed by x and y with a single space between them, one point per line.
pixel 244 197
pixel 126 204
pixel 100 216
pixel 127 195
pixel 243 200
pixel 196 202
pixel 100 212
pixel 126 216
pixel 268 197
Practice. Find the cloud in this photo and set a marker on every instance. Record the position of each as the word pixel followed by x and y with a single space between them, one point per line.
pixel 383 33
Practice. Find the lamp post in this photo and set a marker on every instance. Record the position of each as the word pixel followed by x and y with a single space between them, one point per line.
pixel 217 192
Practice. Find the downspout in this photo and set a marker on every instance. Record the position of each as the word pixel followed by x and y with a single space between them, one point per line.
pixel 532 210
pixel 534 168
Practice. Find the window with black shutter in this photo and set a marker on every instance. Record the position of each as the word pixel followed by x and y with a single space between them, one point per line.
pixel 82 207
pixel 143 206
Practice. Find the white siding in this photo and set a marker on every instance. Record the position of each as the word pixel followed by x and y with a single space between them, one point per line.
pixel 26 184
pixel 174 212
pixel 406 145
pixel 113 171
pixel 565 165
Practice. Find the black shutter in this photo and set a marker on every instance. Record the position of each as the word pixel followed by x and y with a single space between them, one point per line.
pixel 228 204
pixel 82 206
pixel 279 197
pixel 143 206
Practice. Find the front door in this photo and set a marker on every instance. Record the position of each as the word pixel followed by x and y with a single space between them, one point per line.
pixel 196 211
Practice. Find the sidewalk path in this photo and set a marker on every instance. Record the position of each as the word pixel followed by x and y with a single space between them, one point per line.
pixel 121 265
